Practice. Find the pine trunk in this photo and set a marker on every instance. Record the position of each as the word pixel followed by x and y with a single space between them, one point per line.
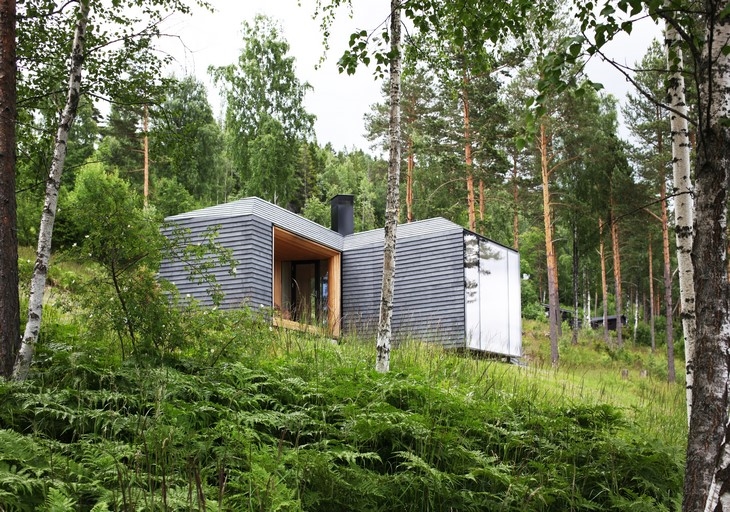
pixel 669 303
pixel 382 363
pixel 43 253
pixel 683 202
pixel 651 298
pixel 550 260
pixel 481 200
pixel 617 276
pixel 9 300
pixel 470 196
pixel 707 473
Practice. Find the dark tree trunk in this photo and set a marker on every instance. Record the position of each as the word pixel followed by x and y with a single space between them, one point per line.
pixel 9 300
pixel 669 302
pixel 651 297
pixel 617 276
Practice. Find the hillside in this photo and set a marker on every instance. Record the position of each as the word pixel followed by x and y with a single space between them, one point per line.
pixel 252 418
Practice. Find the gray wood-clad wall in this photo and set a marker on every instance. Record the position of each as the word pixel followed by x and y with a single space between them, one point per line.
pixel 429 288
pixel 250 240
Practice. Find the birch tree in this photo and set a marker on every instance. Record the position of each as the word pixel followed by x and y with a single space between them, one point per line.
pixel 265 118
pixel 707 475
pixel 112 70
pixel 683 203
pixel 382 361
pixel 45 233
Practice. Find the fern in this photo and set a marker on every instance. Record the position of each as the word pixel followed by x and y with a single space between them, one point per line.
pixel 57 501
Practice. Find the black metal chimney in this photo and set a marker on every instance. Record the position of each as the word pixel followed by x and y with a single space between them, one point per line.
pixel 342 214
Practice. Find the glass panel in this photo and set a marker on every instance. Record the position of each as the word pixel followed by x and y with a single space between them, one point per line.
pixel 494 286
pixel 515 305
pixel 323 308
pixel 286 301
pixel 304 291
pixel 471 291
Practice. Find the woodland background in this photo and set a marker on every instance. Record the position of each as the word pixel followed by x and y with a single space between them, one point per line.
pixel 588 211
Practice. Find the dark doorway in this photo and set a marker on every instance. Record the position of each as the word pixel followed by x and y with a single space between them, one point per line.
pixel 305 293
pixel 309 291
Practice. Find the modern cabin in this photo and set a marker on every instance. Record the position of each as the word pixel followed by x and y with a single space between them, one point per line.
pixel 611 321
pixel 452 286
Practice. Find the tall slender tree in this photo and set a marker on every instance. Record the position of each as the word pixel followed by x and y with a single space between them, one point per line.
pixel 265 119
pixel 683 203
pixel 383 342
pixel 43 253
pixel 111 70
pixel 40 271
pixel 9 300
pixel 648 121
pixel 707 475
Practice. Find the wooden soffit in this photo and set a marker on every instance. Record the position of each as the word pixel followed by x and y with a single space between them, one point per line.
pixel 291 247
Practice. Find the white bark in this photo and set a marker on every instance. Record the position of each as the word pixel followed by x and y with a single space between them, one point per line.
pixel 707 474
pixel 683 202
pixel 382 362
pixel 43 253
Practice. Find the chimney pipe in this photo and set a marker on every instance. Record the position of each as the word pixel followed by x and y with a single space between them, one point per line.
pixel 342 214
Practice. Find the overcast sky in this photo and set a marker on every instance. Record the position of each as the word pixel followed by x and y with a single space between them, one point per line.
pixel 339 101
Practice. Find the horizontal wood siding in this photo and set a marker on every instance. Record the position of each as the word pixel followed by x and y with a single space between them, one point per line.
pixel 250 240
pixel 362 273
pixel 429 288
pixel 258 270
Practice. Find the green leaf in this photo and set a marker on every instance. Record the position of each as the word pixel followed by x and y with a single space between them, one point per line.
pixel 575 49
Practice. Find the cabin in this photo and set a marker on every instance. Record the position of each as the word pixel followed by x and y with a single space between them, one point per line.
pixel 452 286
pixel 597 322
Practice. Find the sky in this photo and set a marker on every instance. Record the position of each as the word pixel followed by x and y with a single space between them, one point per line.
pixel 339 101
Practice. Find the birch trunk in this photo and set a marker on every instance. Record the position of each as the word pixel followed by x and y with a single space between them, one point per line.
pixel 9 300
pixel 43 253
pixel 553 303
pixel 515 211
pixel 683 202
pixel 409 182
pixel 604 281
pixel 382 362
pixel 707 473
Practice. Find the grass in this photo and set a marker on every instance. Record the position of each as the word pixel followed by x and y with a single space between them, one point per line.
pixel 242 416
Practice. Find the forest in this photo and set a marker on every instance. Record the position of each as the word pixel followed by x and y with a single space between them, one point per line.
pixel 498 129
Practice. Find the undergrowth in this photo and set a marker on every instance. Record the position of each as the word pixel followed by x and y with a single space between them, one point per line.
pixel 287 421
pixel 204 409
